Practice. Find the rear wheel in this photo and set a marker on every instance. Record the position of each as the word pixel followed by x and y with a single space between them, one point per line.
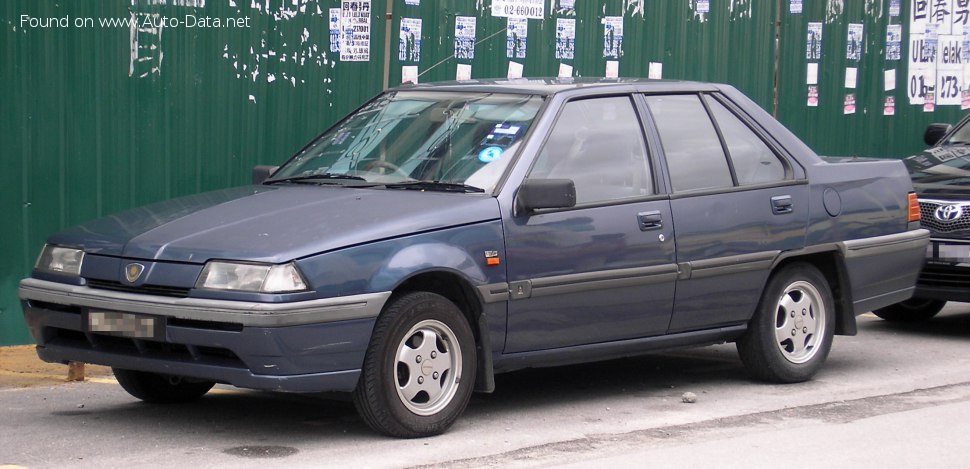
pixel 911 310
pixel 159 388
pixel 791 332
pixel 419 369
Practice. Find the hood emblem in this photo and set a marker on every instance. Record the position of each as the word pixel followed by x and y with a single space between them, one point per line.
pixel 948 212
pixel 133 271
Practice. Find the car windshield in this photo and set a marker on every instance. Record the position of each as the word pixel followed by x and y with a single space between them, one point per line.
pixel 440 139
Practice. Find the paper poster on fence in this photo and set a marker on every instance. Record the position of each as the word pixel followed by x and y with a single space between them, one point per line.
pixel 894 8
pixel 409 44
pixel 355 26
pixel 465 37
pixel 335 30
pixel 889 106
pixel 516 38
pixel 894 41
pixel 949 70
pixel 519 8
pixel 612 36
pixel 812 96
pixel 853 43
pixel 795 7
pixel 463 72
pixel 813 42
pixel 565 38
pixel 849 104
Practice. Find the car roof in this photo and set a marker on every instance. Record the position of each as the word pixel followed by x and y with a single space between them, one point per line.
pixel 550 86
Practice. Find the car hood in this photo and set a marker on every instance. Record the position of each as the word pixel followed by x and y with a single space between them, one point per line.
pixel 942 172
pixel 273 224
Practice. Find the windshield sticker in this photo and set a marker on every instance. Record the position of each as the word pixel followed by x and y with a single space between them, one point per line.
pixel 490 154
pixel 506 129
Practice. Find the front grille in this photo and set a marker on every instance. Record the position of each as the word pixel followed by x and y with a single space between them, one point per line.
pixel 160 290
pixel 947 276
pixel 927 210
pixel 151 349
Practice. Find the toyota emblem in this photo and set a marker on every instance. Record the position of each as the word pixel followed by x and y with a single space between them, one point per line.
pixel 948 212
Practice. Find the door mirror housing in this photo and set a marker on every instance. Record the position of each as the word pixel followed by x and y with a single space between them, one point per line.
pixel 935 132
pixel 262 173
pixel 535 194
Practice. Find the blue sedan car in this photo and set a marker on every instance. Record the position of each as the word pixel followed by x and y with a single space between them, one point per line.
pixel 443 233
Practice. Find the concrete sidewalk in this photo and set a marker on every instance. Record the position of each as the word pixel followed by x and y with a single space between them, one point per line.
pixel 21 368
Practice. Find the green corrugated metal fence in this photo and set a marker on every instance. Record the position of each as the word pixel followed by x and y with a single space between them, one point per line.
pixel 98 118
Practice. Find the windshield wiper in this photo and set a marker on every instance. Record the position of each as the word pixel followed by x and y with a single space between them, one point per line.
pixel 434 186
pixel 316 177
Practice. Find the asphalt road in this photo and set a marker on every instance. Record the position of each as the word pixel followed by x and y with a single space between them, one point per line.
pixel 893 396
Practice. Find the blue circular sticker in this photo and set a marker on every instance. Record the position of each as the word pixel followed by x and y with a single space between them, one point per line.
pixel 490 154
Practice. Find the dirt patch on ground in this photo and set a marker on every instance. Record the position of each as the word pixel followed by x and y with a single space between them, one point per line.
pixel 20 368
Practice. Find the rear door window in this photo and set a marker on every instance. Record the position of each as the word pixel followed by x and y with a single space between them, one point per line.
pixel 753 160
pixel 695 158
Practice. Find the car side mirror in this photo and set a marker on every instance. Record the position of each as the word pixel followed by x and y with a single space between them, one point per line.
pixel 262 173
pixel 535 194
pixel 935 132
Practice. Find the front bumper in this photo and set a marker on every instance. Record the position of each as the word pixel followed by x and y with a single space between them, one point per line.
pixel 308 346
pixel 946 274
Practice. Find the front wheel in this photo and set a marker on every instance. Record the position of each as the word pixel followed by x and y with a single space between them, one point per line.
pixel 419 368
pixel 791 332
pixel 911 310
pixel 161 389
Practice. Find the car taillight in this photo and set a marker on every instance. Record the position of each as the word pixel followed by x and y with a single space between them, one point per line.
pixel 913 207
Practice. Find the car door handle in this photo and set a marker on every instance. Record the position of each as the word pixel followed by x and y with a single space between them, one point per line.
pixel 650 220
pixel 781 204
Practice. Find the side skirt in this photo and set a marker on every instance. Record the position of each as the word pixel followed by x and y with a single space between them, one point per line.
pixel 611 350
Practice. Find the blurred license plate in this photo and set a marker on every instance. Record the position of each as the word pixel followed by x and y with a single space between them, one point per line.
pixel 123 324
pixel 949 252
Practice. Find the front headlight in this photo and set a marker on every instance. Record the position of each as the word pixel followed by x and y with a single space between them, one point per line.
pixel 60 260
pixel 260 278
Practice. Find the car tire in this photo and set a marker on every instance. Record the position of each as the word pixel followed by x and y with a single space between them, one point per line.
pixel 911 310
pixel 159 388
pixel 790 335
pixel 418 372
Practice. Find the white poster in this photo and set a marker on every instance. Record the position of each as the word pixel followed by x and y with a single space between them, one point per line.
pixel 519 8
pixel 795 7
pixel 465 37
pixel 961 16
pixel 811 74
pixel 703 6
pixel 894 40
pixel 515 70
pixel 813 42
pixel 894 8
pixel 612 36
pixel 409 74
pixel 853 43
pixel 565 38
pixel 949 70
pixel 335 30
pixel 924 31
pixel 655 71
pixel 567 6
pixel 414 3
pixel 612 69
pixel 565 71
pixel 516 38
pixel 851 74
pixel 409 44
pixel 355 25
pixel 463 72
pixel 889 79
